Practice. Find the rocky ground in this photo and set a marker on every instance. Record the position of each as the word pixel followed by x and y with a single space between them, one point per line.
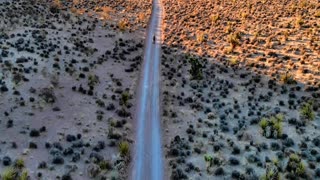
pixel 241 89
pixel 68 75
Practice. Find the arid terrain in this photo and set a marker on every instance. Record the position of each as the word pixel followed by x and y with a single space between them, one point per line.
pixel 241 89
pixel 68 77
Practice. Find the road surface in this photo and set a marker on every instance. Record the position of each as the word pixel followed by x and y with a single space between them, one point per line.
pixel 147 159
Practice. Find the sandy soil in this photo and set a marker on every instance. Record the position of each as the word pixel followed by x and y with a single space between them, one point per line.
pixel 68 75
pixel 241 89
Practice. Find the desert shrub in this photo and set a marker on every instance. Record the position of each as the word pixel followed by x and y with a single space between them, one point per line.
pixel 209 161
pixel 273 169
pixel 125 96
pixel 295 166
pixel 272 127
pixel 196 68
pixel 299 21
pixel 233 39
pixel 288 79
pixel 124 148
pixel 24 175
pixel 307 112
pixel 93 79
pixel 229 28
pixel 214 18
pixel 233 61
pixel 122 24
pixel 19 163
pixel 55 6
pixel 200 37
pixel 9 174
pixel 105 165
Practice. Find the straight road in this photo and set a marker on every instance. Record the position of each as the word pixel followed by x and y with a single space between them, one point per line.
pixel 147 161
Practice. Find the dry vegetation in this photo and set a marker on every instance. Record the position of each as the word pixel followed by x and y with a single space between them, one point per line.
pixel 241 89
pixel 272 36
pixel 134 12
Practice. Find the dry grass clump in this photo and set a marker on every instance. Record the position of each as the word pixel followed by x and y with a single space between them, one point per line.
pixel 123 24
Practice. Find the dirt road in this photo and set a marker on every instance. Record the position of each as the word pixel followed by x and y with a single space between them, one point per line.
pixel 148 162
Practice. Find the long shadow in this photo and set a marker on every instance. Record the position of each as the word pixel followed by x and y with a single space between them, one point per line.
pixel 237 97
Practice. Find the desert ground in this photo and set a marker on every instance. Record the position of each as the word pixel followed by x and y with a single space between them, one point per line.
pixel 68 77
pixel 241 89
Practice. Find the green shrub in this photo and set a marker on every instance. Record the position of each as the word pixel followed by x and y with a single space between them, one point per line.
pixel 306 112
pixel 19 163
pixel 105 165
pixel 295 166
pixel 93 80
pixel 209 161
pixel 24 175
pixel 124 148
pixel 263 123
pixel 125 96
pixel 9 174
pixel 272 171
pixel 272 127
